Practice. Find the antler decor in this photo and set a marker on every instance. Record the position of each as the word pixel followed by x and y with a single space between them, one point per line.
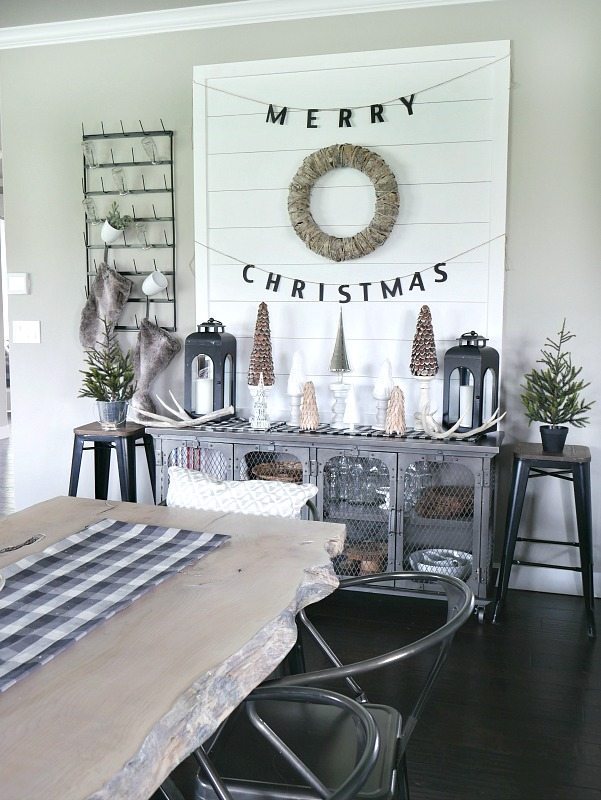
pixel 182 418
pixel 435 431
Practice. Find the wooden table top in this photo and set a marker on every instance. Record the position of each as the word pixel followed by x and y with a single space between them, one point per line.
pixel 111 715
pixel 95 429
pixel 572 453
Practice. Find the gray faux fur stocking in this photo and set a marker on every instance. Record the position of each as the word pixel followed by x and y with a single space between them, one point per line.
pixel 108 296
pixel 154 350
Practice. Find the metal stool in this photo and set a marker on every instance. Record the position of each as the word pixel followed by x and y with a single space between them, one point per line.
pixel 124 441
pixel 573 464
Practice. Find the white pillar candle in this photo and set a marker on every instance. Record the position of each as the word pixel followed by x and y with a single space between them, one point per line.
pixel 203 395
pixel 466 405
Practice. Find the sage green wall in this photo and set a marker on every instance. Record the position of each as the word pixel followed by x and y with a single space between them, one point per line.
pixel 554 238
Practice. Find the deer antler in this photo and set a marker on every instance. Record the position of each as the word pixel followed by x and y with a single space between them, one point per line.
pixel 183 420
pixel 434 431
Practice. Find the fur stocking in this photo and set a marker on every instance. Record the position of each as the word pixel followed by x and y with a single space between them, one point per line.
pixel 108 296
pixel 154 350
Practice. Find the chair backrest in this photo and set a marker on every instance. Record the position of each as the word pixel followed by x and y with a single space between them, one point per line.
pixel 367 743
pixel 460 604
pixel 190 488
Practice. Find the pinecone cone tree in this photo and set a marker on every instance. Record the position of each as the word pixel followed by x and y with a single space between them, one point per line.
pixel 423 352
pixel 395 414
pixel 309 415
pixel 261 359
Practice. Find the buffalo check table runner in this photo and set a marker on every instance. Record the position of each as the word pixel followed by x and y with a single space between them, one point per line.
pixel 53 598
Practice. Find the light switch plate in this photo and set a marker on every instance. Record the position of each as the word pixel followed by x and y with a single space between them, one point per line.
pixel 18 282
pixel 26 332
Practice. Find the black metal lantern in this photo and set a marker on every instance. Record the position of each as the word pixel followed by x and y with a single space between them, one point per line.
pixel 471 382
pixel 210 369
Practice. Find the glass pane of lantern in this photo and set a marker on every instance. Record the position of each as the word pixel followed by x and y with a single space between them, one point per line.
pixel 202 383
pixel 227 381
pixel 466 397
pixel 454 396
pixel 488 394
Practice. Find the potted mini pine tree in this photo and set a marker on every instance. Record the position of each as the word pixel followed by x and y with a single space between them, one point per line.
pixel 553 394
pixel 114 224
pixel 109 379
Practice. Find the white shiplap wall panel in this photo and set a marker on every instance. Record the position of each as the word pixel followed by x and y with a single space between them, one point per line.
pixel 433 122
pixel 449 159
pixel 459 162
pixel 453 203
pixel 420 243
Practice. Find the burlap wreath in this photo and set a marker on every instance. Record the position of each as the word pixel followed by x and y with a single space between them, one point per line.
pixel 387 201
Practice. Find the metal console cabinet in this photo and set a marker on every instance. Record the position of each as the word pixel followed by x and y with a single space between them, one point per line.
pixel 407 502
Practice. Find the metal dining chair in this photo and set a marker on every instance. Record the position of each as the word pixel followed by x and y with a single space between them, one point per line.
pixel 198 777
pixel 247 769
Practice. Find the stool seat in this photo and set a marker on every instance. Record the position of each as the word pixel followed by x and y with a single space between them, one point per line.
pixel 124 441
pixel 573 464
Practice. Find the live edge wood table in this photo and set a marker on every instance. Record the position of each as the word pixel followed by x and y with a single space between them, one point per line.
pixel 115 712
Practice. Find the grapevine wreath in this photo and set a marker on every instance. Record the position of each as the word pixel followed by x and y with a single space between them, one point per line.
pixel 387 201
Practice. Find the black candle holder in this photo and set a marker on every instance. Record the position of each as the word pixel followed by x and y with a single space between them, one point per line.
pixel 478 367
pixel 210 369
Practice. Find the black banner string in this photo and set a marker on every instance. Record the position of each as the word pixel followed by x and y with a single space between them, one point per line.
pixel 366 105
pixel 321 283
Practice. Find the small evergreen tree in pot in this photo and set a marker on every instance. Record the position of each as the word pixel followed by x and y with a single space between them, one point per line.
pixel 109 378
pixel 552 394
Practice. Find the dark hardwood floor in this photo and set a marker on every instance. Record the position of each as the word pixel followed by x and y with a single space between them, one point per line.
pixel 516 712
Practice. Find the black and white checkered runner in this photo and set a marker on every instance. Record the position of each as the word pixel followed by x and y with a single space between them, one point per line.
pixel 55 597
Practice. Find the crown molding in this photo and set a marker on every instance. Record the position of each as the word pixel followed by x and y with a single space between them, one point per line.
pixel 220 15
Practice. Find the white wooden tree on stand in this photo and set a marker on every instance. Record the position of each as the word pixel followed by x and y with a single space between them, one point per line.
pixel 382 390
pixel 296 383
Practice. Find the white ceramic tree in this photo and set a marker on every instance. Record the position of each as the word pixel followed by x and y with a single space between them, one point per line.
pixel 382 390
pixel 296 382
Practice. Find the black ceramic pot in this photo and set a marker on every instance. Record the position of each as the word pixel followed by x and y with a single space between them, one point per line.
pixel 553 438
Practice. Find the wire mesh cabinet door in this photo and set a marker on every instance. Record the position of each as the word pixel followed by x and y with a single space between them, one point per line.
pixel 273 462
pixel 359 488
pixel 445 517
pixel 213 458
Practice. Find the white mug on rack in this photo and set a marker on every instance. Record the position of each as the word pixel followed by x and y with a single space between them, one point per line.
pixel 154 283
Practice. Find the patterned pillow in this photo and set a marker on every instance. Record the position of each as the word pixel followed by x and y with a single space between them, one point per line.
pixel 189 488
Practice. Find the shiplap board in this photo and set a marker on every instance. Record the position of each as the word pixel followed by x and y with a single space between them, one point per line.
pixel 449 159
pixel 422 204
